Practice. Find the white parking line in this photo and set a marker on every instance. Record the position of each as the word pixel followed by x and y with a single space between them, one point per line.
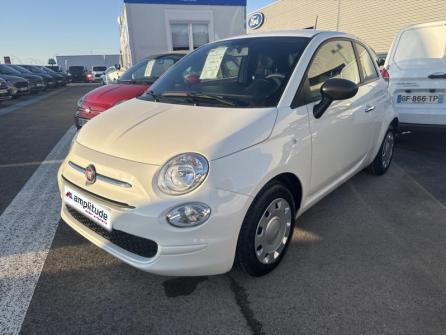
pixel 14 165
pixel 27 228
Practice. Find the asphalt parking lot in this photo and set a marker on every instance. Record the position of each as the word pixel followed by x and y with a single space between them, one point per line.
pixel 368 259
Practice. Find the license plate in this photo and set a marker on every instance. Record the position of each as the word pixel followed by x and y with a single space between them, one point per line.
pixel 98 214
pixel 21 89
pixel 3 91
pixel 420 99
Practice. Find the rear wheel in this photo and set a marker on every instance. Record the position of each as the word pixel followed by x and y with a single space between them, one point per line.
pixel 266 231
pixel 383 158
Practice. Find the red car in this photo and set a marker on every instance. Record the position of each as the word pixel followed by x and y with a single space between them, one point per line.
pixel 134 82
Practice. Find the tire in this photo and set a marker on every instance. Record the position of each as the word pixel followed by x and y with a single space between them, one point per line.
pixel 269 204
pixel 383 158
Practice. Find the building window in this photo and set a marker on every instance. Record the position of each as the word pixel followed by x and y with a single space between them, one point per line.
pixel 189 36
pixel 180 37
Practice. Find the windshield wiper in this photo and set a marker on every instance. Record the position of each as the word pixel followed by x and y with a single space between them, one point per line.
pixel 155 97
pixel 195 97
pixel 125 81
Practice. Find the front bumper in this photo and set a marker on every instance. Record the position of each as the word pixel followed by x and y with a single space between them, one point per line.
pixel 37 87
pixel 22 91
pixel 207 249
pixel 5 94
pixel 81 117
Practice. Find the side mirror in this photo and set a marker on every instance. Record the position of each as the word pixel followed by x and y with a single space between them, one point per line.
pixel 334 89
pixel 381 61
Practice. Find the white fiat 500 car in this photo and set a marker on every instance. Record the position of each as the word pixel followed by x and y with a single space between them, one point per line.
pixel 417 75
pixel 214 164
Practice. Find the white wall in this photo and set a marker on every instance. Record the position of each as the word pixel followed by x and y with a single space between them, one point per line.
pixel 149 29
pixel 374 21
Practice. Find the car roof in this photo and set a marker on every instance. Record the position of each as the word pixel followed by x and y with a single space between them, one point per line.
pixel 309 33
pixel 167 54
pixel 424 25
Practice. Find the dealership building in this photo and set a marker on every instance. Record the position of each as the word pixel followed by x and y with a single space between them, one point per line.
pixel 374 21
pixel 87 60
pixel 151 27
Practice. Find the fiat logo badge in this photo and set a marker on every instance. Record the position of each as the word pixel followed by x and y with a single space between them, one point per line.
pixel 90 174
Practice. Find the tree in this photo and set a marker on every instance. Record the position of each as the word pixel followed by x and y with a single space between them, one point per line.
pixel 51 61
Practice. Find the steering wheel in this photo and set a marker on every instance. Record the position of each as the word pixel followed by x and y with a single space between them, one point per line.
pixel 276 77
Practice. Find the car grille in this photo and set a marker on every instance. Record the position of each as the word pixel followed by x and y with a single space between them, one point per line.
pixel 21 84
pixel 134 244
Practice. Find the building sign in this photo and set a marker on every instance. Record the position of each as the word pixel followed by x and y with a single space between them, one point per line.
pixel 191 2
pixel 7 60
pixel 256 20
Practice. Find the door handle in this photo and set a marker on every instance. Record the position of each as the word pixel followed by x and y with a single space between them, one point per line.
pixel 437 75
pixel 369 108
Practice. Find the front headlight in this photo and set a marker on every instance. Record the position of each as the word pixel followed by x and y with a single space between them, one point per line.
pixel 183 173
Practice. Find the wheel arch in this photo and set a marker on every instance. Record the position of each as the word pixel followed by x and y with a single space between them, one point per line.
pixel 294 185
pixel 395 123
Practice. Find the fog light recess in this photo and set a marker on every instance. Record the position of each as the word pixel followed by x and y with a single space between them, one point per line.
pixel 188 215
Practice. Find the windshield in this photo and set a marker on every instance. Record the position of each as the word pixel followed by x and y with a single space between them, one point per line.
pixel 5 69
pixel 33 69
pixel 20 69
pixel 421 46
pixel 247 72
pixel 149 70
pixel 99 68
pixel 54 68
pixel 110 69
pixel 44 69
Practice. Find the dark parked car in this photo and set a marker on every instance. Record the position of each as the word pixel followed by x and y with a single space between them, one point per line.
pixel 24 71
pixel 50 80
pixel 57 79
pixel 5 93
pixel 59 70
pixel 36 83
pixel 17 85
pixel 78 73
pixel 61 79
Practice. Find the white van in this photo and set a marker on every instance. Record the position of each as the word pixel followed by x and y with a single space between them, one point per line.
pixel 417 68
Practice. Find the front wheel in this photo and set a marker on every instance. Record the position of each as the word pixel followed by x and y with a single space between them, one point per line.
pixel 266 231
pixel 383 158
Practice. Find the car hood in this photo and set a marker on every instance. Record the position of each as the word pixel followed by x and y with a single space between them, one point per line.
pixel 109 95
pixel 150 132
pixel 12 79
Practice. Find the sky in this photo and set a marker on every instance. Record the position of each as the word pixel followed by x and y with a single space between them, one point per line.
pixel 35 30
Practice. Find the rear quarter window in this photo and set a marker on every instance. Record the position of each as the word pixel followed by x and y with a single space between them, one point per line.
pixel 367 64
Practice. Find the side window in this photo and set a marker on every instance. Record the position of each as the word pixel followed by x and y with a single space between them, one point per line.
pixel 335 59
pixel 156 68
pixel 138 71
pixel 367 64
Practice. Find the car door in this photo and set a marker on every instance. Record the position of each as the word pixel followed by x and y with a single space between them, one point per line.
pixel 373 94
pixel 340 138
